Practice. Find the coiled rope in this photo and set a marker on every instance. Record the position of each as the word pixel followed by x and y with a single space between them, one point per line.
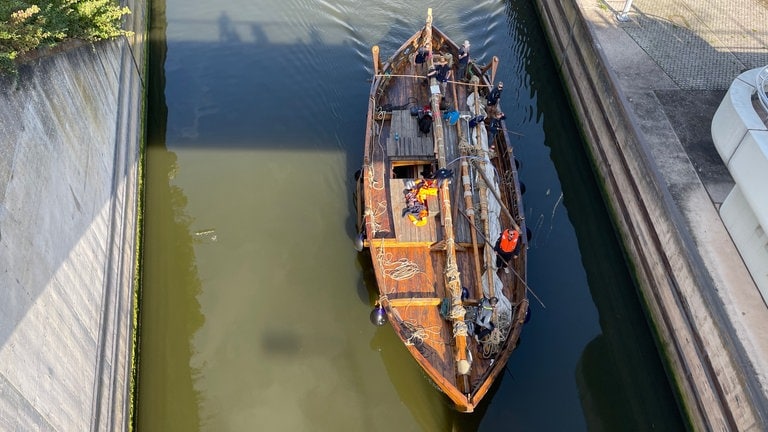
pixel 493 342
pixel 380 209
pixel 418 334
pixel 398 270
pixel 401 269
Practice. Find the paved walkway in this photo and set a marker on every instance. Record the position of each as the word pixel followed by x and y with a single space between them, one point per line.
pixel 673 62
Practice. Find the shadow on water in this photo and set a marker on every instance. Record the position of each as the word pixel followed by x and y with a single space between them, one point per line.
pixel 269 82
pixel 168 398
pixel 621 380
pixel 297 97
pixel 227 32
pixel 366 289
pixel 167 339
pixel 431 409
pixel 415 389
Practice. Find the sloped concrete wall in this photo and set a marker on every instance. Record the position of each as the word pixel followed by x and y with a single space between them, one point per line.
pixel 70 132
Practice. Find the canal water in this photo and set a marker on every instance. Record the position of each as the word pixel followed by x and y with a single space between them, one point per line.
pixel 254 308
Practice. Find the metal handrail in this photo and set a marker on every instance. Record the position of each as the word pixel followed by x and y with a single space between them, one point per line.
pixel 762 87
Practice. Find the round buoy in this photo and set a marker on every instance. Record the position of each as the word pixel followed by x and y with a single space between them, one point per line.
pixel 517 164
pixel 522 188
pixel 528 234
pixel 358 173
pixel 378 316
pixel 527 316
pixel 359 242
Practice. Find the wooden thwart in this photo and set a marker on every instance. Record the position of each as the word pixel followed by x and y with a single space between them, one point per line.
pixel 390 243
pixel 415 301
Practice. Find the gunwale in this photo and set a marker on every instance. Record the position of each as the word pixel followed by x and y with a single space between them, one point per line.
pixel 449 239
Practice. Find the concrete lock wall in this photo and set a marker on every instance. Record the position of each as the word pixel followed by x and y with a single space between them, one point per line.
pixel 682 300
pixel 71 127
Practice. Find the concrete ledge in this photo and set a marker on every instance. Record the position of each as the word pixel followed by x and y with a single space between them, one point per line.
pixel 656 199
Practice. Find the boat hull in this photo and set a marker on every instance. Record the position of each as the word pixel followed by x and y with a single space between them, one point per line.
pixel 431 204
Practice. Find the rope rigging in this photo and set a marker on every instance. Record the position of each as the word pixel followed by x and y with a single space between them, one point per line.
pixel 418 334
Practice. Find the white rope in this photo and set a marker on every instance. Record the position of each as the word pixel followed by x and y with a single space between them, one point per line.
pixel 401 269
pixel 457 312
pixel 419 334
pixel 460 329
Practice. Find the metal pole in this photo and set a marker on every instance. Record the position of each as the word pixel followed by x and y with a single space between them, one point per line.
pixel 623 16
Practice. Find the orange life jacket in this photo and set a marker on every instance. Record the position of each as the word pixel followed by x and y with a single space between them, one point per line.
pixel 509 240
pixel 425 189
pixel 419 220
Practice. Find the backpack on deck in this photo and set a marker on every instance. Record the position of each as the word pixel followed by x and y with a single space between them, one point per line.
pixel 425 124
pixel 421 55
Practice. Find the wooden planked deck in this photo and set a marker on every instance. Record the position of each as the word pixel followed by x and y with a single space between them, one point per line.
pixel 405 230
pixel 412 144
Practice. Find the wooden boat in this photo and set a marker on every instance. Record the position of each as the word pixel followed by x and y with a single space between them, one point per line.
pixel 430 207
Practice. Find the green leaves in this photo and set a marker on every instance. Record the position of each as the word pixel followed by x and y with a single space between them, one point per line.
pixel 26 25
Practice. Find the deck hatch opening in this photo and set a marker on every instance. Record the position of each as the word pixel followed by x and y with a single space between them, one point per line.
pixel 411 169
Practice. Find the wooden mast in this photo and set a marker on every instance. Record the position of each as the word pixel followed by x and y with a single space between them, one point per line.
pixel 469 203
pixel 376 61
pixel 451 274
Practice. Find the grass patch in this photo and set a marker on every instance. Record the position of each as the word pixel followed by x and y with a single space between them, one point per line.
pixel 27 25
pixel 133 392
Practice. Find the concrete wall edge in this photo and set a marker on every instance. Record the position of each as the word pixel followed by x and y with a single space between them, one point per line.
pixel 619 155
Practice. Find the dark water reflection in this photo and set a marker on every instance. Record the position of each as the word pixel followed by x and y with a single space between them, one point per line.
pixel 620 379
pixel 255 305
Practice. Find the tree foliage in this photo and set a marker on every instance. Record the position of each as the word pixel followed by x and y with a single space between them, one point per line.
pixel 26 25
